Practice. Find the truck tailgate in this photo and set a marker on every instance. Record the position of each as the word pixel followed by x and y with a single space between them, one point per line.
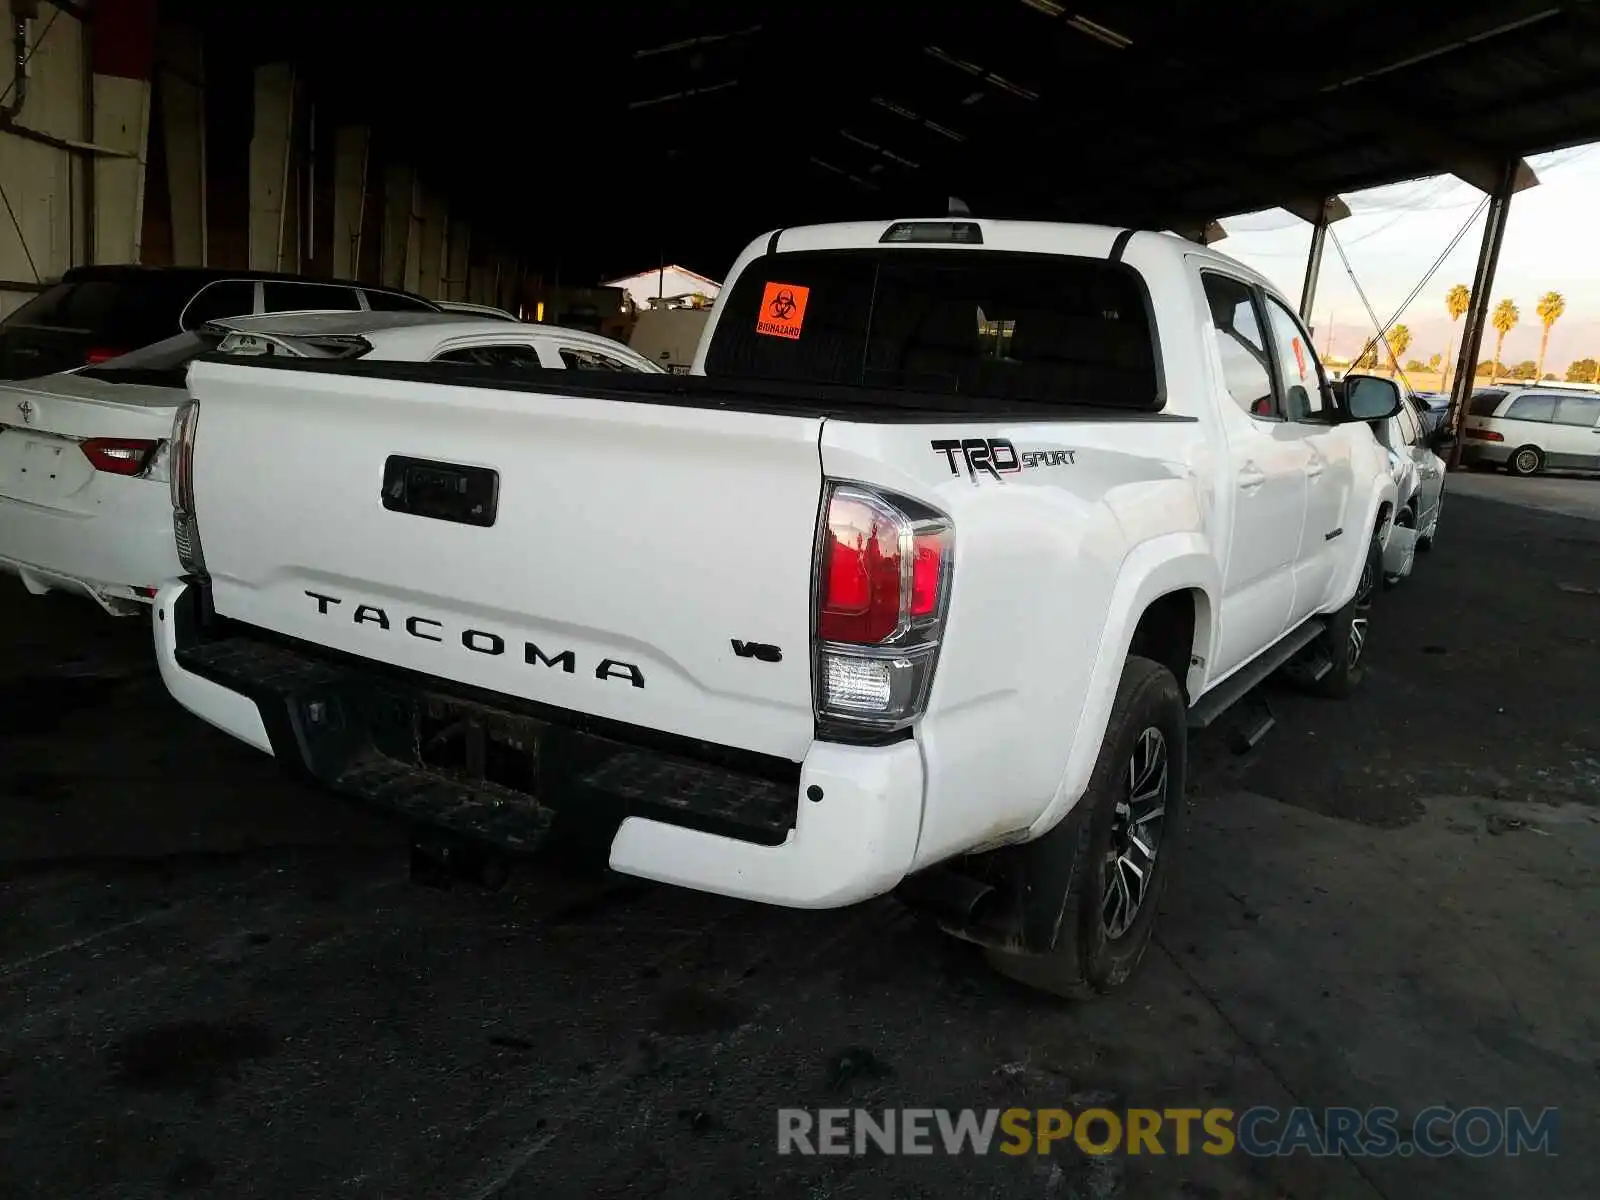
pixel 635 549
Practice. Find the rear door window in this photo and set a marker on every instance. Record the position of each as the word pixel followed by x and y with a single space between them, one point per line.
pixel 395 302
pixel 308 297
pixel 515 358
pixel 592 360
pixel 1534 407
pixel 980 324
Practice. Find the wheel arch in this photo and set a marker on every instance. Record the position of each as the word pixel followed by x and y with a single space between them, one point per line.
pixel 1174 565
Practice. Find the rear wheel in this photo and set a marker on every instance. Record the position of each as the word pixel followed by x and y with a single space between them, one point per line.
pixel 1525 461
pixel 1120 843
pixel 1344 641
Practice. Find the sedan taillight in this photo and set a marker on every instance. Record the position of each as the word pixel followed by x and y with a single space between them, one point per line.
pixel 119 456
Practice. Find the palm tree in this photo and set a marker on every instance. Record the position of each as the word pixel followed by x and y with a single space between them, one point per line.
pixel 1456 302
pixel 1506 316
pixel 1399 343
pixel 1551 306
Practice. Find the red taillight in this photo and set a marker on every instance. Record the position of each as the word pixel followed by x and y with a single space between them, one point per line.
pixel 1485 435
pixel 883 583
pixel 101 354
pixel 927 572
pixel 119 456
pixel 880 571
pixel 861 573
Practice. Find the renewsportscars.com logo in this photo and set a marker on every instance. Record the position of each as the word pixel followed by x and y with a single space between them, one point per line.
pixel 1261 1132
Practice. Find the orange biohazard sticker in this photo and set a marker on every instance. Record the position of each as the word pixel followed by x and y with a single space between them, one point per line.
pixel 783 310
pixel 1300 357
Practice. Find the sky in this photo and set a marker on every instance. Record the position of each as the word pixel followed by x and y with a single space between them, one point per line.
pixel 1394 234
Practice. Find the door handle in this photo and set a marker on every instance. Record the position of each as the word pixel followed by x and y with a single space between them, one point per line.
pixel 1250 479
pixel 1316 468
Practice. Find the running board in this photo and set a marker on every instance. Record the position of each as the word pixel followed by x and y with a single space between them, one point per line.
pixel 1239 685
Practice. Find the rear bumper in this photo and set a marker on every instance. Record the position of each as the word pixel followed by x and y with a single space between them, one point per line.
pixel 125 544
pixel 1485 452
pixel 838 828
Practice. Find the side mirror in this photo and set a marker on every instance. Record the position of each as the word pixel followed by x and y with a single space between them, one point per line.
pixel 1371 397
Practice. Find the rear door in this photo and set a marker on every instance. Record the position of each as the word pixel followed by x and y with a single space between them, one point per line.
pixel 1268 460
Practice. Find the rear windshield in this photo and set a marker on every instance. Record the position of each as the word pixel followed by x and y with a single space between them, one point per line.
pixel 120 314
pixel 163 364
pixel 982 324
pixel 1485 402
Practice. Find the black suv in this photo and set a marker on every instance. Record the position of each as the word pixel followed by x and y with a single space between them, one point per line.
pixel 97 313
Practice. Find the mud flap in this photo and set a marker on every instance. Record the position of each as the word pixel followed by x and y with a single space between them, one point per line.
pixel 1400 553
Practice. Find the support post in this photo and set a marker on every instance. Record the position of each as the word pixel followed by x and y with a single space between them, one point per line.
pixel 400 254
pixel 1332 209
pixel 271 141
pixel 182 82
pixel 1494 229
pixel 350 145
pixel 457 258
pixel 124 57
pixel 435 220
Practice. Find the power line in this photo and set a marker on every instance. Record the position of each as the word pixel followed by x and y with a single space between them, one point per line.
pixel 1383 329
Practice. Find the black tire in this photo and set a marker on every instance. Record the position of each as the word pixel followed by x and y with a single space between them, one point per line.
pixel 1098 949
pixel 1425 544
pixel 1340 643
pixel 1525 461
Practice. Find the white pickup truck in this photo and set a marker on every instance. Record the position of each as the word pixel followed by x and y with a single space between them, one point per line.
pixel 915 584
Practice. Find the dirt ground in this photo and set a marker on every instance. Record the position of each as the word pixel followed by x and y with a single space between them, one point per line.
pixel 216 983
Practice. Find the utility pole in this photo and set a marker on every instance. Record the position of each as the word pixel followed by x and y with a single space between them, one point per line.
pixel 1494 230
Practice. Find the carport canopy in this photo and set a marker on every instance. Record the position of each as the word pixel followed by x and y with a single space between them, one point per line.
pixel 603 136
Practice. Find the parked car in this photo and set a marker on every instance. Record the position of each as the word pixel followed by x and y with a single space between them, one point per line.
pixel 1419 476
pixel 1529 429
pixel 918 583
pixel 95 314
pixel 84 453
pixel 1430 408
pixel 458 337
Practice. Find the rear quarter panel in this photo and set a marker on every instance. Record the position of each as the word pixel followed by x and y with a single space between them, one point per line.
pixel 1052 565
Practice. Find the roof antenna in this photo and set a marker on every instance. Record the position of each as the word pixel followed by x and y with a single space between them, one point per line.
pixel 958 207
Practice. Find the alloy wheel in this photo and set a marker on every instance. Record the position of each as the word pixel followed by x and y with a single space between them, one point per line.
pixel 1358 622
pixel 1135 833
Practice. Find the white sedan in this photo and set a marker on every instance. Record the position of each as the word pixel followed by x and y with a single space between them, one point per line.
pixel 1419 477
pixel 84 503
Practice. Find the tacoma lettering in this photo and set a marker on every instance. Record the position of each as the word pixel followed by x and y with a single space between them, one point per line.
pixel 482 641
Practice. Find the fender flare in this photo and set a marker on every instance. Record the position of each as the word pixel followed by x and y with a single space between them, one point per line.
pixel 1174 562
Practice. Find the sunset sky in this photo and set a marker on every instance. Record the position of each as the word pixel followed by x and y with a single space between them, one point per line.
pixel 1394 234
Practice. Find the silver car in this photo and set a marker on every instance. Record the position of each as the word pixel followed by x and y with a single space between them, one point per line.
pixel 1530 429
